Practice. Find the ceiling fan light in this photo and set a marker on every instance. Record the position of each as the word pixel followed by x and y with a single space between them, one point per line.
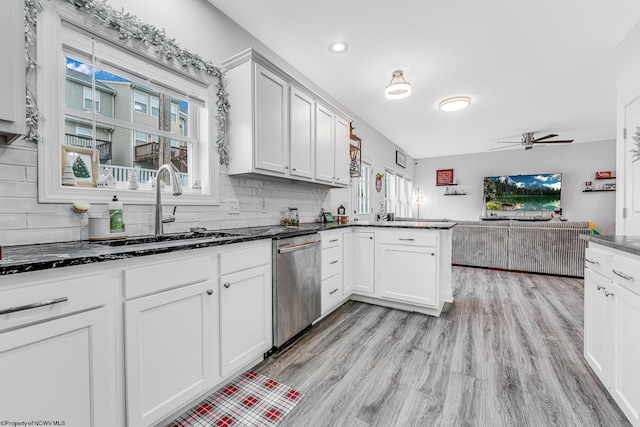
pixel 398 87
pixel 456 103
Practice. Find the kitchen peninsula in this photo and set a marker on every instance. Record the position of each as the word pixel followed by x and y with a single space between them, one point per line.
pixel 104 313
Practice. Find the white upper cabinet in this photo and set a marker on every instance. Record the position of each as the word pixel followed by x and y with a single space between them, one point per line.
pixel 280 128
pixel 341 151
pixel 271 121
pixel 12 72
pixel 301 135
pixel 324 144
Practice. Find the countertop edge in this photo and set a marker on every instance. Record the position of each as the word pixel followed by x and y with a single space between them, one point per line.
pixel 629 244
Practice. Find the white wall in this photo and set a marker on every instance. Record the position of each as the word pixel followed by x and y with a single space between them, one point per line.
pixel 628 89
pixel 204 30
pixel 576 162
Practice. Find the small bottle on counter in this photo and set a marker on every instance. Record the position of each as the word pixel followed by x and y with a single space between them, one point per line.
pixel 116 222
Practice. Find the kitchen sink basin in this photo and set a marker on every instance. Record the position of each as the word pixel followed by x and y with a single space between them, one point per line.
pixel 198 234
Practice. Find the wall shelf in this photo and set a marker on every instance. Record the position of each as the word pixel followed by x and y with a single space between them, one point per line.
pixel 445 185
pixel 454 194
pixel 613 177
pixel 595 191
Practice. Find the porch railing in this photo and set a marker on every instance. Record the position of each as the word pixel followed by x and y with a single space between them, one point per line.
pixel 121 174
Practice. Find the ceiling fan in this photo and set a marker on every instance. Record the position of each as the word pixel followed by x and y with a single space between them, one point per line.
pixel 528 140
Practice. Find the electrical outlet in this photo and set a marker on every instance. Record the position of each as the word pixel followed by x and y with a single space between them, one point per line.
pixel 234 207
pixel 264 205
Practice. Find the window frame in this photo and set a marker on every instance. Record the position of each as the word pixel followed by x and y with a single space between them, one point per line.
pixel 56 23
pixel 89 98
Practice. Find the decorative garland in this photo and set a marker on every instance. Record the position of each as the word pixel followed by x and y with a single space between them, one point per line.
pixel 130 27
pixel 636 149
pixel 31 10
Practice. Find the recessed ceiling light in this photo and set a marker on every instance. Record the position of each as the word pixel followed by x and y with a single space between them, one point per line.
pixel 456 103
pixel 398 87
pixel 338 47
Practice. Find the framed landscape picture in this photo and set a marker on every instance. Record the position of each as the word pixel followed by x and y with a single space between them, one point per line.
pixel 401 159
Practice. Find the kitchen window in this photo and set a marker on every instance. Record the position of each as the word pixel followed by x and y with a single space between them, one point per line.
pixel 364 189
pixel 397 193
pixel 132 87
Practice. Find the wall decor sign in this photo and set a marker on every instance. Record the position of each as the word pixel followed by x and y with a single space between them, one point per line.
pixel 379 182
pixel 444 177
pixel 401 159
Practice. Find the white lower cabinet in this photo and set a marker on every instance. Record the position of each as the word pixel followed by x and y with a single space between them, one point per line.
pixel 612 316
pixel 408 273
pixel 363 262
pixel 170 350
pixel 56 351
pixel 598 323
pixel 245 317
pixel 58 370
pixel 331 270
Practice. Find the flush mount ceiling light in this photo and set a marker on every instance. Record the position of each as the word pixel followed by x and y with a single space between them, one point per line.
pixel 338 47
pixel 456 103
pixel 398 87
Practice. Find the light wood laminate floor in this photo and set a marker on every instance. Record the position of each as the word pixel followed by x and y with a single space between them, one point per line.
pixel 507 353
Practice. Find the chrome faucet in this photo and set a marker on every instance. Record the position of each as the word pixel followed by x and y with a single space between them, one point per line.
pixel 177 190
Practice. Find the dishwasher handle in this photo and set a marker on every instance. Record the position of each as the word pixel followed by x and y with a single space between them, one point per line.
pixel 297 247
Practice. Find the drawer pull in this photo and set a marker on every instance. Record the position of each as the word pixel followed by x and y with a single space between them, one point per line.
pixel 408 240
pixel 333 240
pixel 34 305
pixel 227 285
pixel 333 262
pixel 333 291
pixel 600 287
pixel 608 294
pixel 209 291
pixel 591 262
pixel 624 276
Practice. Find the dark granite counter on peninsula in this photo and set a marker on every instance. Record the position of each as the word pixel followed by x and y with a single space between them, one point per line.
pixel 20 259
pixel 629 244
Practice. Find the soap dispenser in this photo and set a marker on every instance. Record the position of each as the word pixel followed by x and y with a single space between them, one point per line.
pixel 116 222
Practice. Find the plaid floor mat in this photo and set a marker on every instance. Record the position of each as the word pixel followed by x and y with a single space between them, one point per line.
pixel 251 399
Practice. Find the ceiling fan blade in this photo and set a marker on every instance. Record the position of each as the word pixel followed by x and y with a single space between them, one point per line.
pixel 509 142
pixel 506 146
pixel 551 135
pixel 561 141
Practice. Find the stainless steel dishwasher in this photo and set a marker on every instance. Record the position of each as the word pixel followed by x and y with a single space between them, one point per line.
pixel 296 285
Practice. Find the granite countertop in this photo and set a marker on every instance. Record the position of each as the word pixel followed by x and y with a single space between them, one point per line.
pixel 630 244
pixel 24 258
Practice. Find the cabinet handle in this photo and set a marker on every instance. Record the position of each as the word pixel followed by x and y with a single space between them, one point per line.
pixel 294 169
pixel 408 240
pixel 591 262
pixel 34 305
pixel 608 294
pixel 286 167
pixel 209 291
pixel 621 274
pixel 371 237
pixel 433 254
pixel 333 240
pixel 333 291
pixel 333 262
pixel 227 285
pixel 600 287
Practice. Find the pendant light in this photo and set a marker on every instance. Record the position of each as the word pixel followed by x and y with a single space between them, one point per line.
pixel 398 87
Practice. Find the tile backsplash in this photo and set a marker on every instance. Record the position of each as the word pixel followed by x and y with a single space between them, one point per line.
pixel 25 221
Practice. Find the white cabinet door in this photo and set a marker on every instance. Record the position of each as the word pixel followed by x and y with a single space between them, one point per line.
pixel 12 80
pixel 408 274
pixel 170 350
pixel 245 317
pixel 325 138
pixel 341 152
pixel 628 195
pixel 270 121
pixel 59 370
pixel 301 133
pixel 347 263
pixel 598 325
pixel 625 386
pixel 363 262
